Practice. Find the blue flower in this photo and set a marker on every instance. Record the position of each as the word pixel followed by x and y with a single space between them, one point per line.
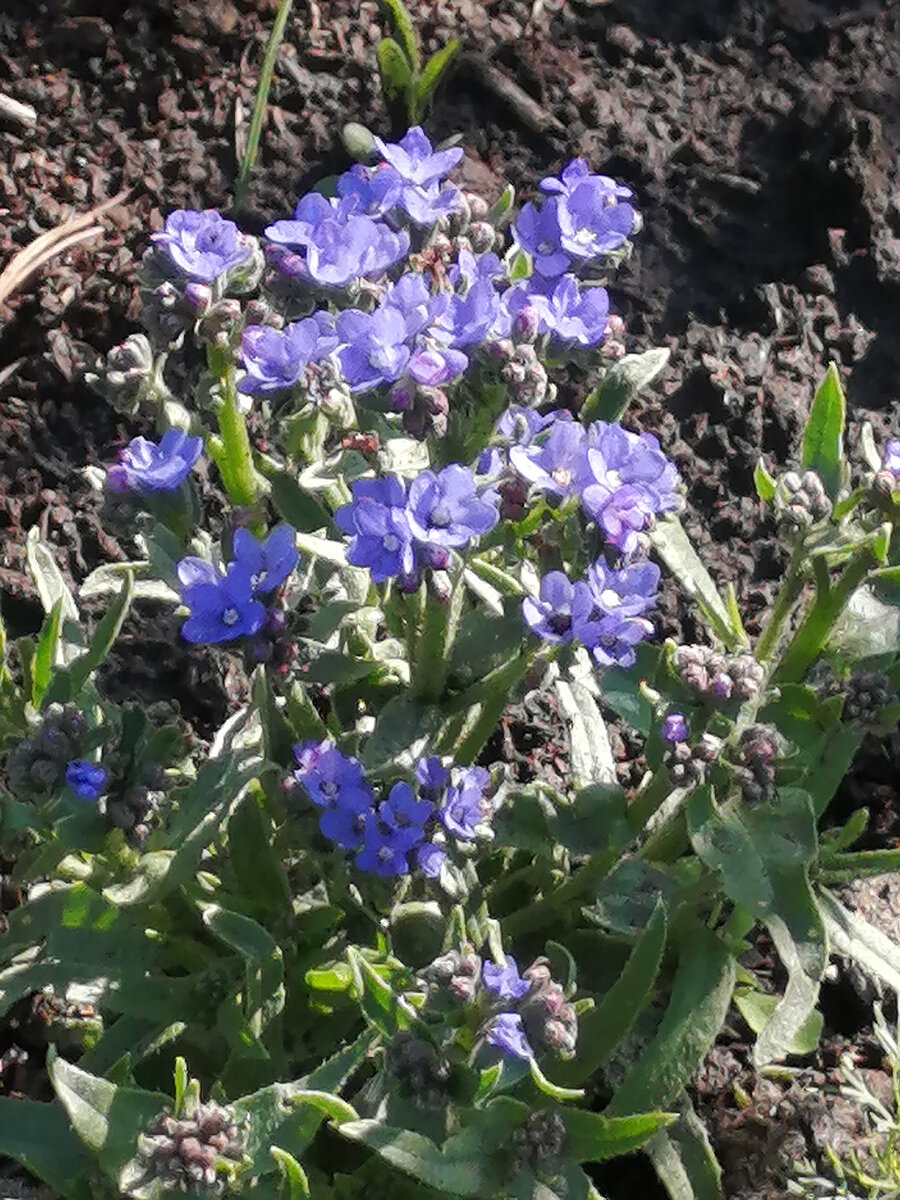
pixel 519 426
pixel 570 313
pixel 432 777
pixel 385 851
pixel 537 231
pixel 412 298
pixel 613 638
pixel 557 461
pixel 430 858
pixel 464 320
pixel 505 982
pixel 376 346
pixel 331 779
pixel 145 466
pixel 577 172
pixel 202 245
pixel 505 1032
pixel 628 481
pixel 674 728
pixel 222 606
pixel 415 160
pixel 590 213
pixel 402 810
pixel 376 520
pixel 462 807
pixel 276 358
pixel 344 826
pixel 427 205
pixel 446 509
pixel 267 563
pixel 625 591
pixel 372 191
pixel 433 365
pixel 86 779
pixel 331 245
pixel 562 610
pixel 892 457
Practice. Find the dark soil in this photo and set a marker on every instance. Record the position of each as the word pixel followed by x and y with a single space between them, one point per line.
pixel 761 138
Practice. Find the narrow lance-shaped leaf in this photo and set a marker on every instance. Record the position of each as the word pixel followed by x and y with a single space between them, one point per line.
pixel 404 30
pixel 684 1160
pixel 823 437
pixel 673 546
pixel 622 383
pixel 396 75
pixel 435 70
pixel 45 653
pixel 68 683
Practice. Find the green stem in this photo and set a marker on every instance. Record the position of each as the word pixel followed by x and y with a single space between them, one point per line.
pixel 234 457
pixel 434 643
pixel 647 801
pixel 548 909
pixel 809 639
pixel 788 594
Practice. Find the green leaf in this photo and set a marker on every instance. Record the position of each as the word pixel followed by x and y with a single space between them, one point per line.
pixel 622 690
pixel 519 266
pixel 258 869
pixel 852 936
pixel 289 1115
pixel 757 1009
pixel 382 1006
pixel 701 993
pixel 435 70
pixel 602 1029
pixel 764 482
pixel 761 855
pixel 40 1138
pixel 404 732
pixel 684 1160
pixel 595 1138
pixel 404 31
pixel 45 654
pixel 590 753
pixel 673 546
pixel 823 436
pixel 68 683
pixel 396 73
pixel 296 1185
pixel 106 1118
pixel 502 206
pixel 299 508
pixel 48 579
pixel 621 384
pixel 420 1157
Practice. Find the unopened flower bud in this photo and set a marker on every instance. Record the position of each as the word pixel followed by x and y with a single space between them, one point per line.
pixel 542 1141
pixel 866 694
pixel 525 324
pixel 440 586
pixel 477 205
pixel 126 378
pixel 482 235
pixel 198 297
pixel 420 1071
pixel 801 500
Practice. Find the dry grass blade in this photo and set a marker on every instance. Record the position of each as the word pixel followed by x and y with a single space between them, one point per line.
pixel 55 241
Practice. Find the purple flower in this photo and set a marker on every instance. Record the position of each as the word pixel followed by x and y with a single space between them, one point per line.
pixel 335 247
pixel 470 269
pixel 267 563
pixel 505 982
pixel 592 221
pixel 629 480
pixel 372 191
pixel 462 807
pixel 625 592
pixel 414 159
pixel 276 358
pixel 562 610
pixel 426 205
pixel 446 509
pixel 344 826
pixel 575 173
pixel 674 728
pixel 202 245
pixel 892 457
pixel 146 466
pixel 466 320
pixel 402 810
pixel 430 858
pixel 571 313
pixel 412 298
pixel 86 779
pixel 557 462
pixel 375 349
pixel 222 606
pixel 505 1032
pixel 432 777
pixel 433 365
pixel 376 520
pixel 331 779
pixel 385 851
pixel 537 231
pixel 613 639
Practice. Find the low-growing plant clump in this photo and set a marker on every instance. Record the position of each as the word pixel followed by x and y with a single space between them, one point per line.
pixel 381 960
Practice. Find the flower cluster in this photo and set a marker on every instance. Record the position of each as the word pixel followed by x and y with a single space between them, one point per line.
pixel 203 246
pixel 604 611
pixel 40 762
pixel 716 677
pixel 227 604
pixel 407 825
pixel 622 479
pixel 86 779
pixel 146 466
pixel 396 529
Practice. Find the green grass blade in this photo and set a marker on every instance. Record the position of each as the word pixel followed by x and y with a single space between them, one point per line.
pixel 259 104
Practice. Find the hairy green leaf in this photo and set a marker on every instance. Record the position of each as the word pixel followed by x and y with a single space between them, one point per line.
pixel 622 383
pixel 823 436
